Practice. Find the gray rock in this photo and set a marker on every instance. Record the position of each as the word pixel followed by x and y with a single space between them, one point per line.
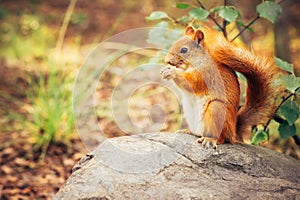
pixel 174 166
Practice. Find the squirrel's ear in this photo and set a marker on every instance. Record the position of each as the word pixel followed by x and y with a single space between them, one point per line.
pixel 199 36
pixel 189 31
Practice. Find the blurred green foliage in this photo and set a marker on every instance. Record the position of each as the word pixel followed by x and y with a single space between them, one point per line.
pixel 25 38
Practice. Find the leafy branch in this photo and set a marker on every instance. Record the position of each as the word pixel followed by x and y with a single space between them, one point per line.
pixel 251 23
pixel 267 9
pixel 263 10
pixel 276 110
pixel 287 112
pixel 176 21
pixel 225 22
pixel 245 27
pixel 210 16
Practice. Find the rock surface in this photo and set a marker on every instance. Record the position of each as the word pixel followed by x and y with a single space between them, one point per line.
pixel 174 166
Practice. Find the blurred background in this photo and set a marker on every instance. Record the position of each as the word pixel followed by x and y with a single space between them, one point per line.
pixel 42 46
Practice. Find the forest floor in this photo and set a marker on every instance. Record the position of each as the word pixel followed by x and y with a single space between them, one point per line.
pixel 25 174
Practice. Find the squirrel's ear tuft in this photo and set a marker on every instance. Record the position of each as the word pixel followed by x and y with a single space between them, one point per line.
pixel 189 31
pixel 199 36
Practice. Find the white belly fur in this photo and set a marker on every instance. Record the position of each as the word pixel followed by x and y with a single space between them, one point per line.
pixel 193 110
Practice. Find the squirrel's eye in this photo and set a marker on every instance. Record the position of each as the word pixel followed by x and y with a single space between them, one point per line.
pixel 183 50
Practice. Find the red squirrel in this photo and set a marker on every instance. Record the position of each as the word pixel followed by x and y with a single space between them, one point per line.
pixel 202 64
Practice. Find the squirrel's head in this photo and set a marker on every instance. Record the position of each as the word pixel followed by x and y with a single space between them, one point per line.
pixel 185 50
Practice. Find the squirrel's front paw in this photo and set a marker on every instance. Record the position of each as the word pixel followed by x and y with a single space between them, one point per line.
pixel 168 72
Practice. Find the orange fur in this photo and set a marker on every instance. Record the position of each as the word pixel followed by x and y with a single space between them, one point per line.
pixel 260 72
pixel 203 64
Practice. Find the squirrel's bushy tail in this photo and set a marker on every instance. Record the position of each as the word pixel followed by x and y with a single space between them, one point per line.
pixel 261 74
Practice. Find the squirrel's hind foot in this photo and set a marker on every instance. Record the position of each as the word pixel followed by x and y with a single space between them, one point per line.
pixel 207 142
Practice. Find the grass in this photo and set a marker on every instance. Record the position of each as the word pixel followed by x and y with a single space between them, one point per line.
pixel 50 109
pixel 46 112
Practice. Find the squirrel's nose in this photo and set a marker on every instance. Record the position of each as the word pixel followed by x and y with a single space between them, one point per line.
pixel 169 63
pixel 169 58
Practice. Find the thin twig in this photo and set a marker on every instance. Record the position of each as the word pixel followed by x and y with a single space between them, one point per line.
pixel 225 22
pixel 174 20
pixel 281 103
pixel 278 118
pixel 250 23
pixel 210 16
pixel 246 27
pixel 224 29
pixel 296 139
pixel 64 27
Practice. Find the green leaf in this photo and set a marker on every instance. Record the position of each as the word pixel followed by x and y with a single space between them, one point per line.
pixel 157 15
pixel 284 65
pixel 216 9
pixel 161 35
pixel 269 10
pixel 291 82
pixel 290 111
pixel 259 137
pixel 182 5
pixel 199 13
pixel 228 13
pixel 184 19
pixel 286 130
